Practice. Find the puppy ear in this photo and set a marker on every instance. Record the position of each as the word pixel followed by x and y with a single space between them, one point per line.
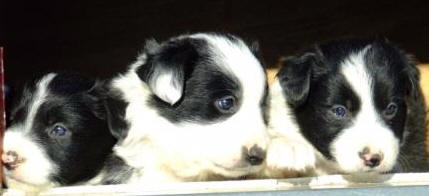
pixel 409 73
pixel 164 69
pixel 94 99
pixel 412 75
pixel 255 48
pixel 294 77
pixel 81 87
pixel 115 112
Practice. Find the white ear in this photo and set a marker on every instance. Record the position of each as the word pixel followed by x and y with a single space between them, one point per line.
pixel 166 87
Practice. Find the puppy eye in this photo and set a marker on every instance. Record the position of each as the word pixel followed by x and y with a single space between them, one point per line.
pixel 391 110
pixel 339 111
pixel 58 131
pixel 226 104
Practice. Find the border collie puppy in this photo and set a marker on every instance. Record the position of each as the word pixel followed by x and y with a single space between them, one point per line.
pixel 191 108
pixel 347 106
pixel 58 135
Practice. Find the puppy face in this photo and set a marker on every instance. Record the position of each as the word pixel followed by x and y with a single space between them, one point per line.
pixel 201 105
pixel 57 135
pixel 350 102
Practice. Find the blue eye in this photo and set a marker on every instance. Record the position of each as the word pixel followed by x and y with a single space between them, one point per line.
pixel 391 110
pixel 339 111
pixel 58 131
pixel 226 104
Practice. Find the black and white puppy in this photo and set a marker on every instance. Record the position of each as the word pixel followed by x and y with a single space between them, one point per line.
pixel 192 108
pixel 348 106
pixel 58 134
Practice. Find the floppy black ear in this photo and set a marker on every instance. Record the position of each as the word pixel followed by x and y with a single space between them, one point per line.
pixel 255 48
pixel 94 99
pixel 413 76
pixel 115 114
pixel 409 72
pixel 294 77
pixel 77 86
pixel 166 65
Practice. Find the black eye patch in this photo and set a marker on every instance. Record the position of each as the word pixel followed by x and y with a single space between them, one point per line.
pixel 206 86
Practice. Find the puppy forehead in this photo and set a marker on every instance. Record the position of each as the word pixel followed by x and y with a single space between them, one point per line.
pixel 234 57
pixel 32 101
pixel 371 67
pixel 356 72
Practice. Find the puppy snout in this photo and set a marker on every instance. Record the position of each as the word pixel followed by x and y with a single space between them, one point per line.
pixel 256 155
pixel 11 160
pixel 370 159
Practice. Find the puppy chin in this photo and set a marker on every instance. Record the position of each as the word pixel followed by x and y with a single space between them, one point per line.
pixel 360 169
pixel 349 162
pixel 34 171
pixel 353 165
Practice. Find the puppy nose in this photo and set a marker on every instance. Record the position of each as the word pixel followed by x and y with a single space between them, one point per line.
pixel 370 159
pixel 11 160
pixel 256 155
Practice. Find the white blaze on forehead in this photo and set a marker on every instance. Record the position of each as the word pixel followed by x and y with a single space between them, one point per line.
pixel 38 97
pixel 355 72
pixel 368 128
pixel 36 167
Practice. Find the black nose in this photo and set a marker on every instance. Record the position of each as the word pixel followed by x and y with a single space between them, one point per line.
pixel 256 155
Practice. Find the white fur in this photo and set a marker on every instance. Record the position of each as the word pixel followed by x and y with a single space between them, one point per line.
pixel 368 128
pixel 288 149
pixel 165 89
pixel 167 151
pixel 33 172
pixel 36 166
pixel 38 99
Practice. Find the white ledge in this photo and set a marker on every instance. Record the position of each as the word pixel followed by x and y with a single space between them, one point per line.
pixel 292 184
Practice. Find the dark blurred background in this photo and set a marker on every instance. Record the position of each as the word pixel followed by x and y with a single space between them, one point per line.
pixel 100 38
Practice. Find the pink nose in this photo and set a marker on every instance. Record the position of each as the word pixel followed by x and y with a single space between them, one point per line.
pixel 371 159
pixel 11 160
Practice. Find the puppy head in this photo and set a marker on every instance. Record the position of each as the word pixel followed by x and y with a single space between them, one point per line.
pixel 208 92
pixel 350 101
pixel 57 135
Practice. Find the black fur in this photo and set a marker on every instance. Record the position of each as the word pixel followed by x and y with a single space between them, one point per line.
pixel 175 56
pixel 76 103
pixel 312 85
pixel 115 111
pixel 116 171
pixel 203 83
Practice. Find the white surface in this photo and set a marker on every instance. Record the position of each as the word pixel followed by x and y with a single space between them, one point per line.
pixel 293 184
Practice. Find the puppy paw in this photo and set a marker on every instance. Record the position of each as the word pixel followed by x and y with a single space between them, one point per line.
pixel 290 155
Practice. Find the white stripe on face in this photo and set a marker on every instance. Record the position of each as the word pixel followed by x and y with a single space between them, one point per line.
pixel 368 129
pixel 37 100
pixel 36 166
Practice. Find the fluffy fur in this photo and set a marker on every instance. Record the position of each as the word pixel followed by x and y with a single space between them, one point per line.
pixel 167 111
pixel 348 106
pixel 59 135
